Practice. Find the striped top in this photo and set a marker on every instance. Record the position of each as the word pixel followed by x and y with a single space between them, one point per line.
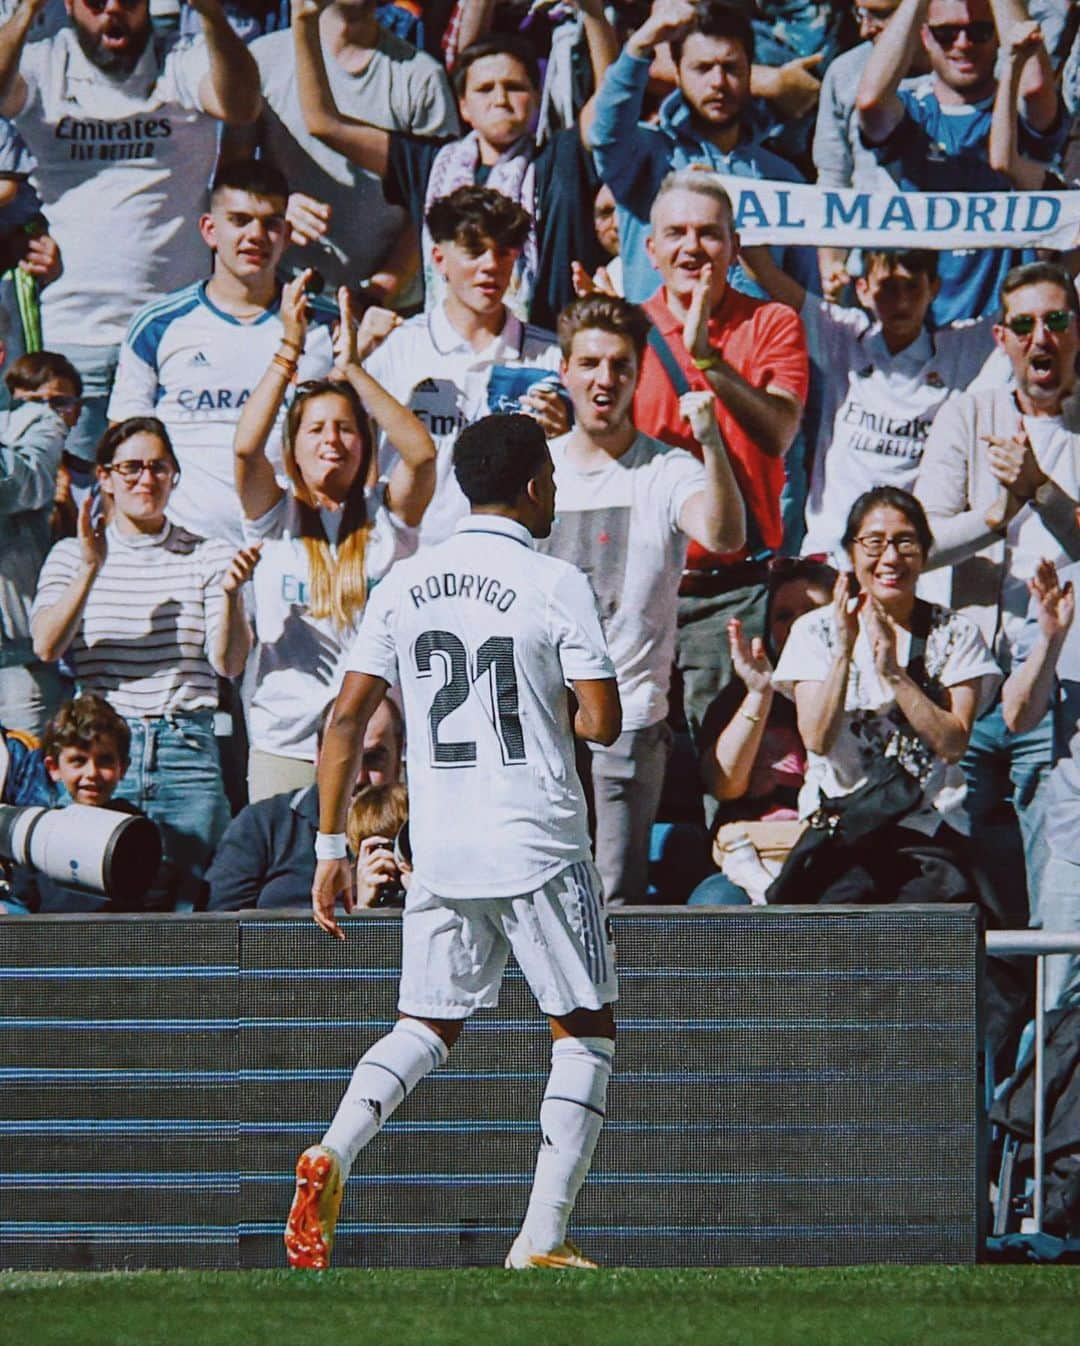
pixel 149 622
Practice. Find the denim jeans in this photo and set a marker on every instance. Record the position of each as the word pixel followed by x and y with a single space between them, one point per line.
pixel 175 778
pixel 1006 777
pixel 97 367
pixel 1059 910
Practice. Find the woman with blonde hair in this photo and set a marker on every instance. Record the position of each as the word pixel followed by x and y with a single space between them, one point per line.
pixel 326 540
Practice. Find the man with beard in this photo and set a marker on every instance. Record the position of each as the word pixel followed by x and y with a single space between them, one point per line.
pixel 1000 479
pixel 124 129
pixel 934 138
pixel 704 122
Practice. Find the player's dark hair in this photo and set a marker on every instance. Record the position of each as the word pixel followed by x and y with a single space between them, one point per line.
pixel 498 44
pixel 891 497
pixel 122 431
pixel 604 313
pixel 471 216
pixel 1039 273
pixel 30 372
pixel 77 723
pixel 919 261
pixel 714 19
pixel 257 177
pixel 495 458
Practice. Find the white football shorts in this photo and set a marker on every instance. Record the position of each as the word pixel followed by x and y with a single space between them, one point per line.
pixel 454 950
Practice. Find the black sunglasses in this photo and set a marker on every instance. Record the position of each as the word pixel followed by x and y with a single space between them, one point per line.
pixel 1023 324
pixel 100 6
pixel 945 34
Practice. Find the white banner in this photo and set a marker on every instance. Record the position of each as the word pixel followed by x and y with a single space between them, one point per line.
pixel 786 213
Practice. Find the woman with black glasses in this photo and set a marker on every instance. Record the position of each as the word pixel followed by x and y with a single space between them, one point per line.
pixel 150 616
pixel 883 681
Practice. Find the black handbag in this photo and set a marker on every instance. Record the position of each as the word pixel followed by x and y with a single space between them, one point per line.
pixel 844 823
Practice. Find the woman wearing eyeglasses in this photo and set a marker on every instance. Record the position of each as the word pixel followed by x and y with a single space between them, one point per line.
pixel 881 675
pixel 150 616
pixel 326 539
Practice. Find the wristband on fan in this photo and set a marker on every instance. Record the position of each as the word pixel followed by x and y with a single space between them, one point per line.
pixel 330 846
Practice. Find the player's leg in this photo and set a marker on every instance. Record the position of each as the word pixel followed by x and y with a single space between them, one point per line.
pixel 560 938
pixel 384 1077
pixel 452 962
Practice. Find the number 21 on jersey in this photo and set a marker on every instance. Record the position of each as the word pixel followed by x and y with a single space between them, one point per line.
pixel 491 673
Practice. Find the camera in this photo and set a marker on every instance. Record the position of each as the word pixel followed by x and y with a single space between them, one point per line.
pixel 97 849
pixel 392 894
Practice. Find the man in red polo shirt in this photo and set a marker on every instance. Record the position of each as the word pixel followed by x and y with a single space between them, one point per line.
pixel 752 356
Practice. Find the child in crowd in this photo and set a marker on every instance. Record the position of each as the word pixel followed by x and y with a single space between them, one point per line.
pixel 81 760
pixel 883 374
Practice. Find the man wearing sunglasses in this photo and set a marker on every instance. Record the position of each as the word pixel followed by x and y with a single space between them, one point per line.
pixel 1000 479
pixel 935 137
pixel 124 129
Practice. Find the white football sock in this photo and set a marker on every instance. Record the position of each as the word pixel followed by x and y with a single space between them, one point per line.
pixel 384 1077
pixel 571 1116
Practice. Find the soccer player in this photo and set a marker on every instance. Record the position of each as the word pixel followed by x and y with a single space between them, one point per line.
pixel 484 635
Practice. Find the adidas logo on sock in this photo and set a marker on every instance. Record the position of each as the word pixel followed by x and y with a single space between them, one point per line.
pixel 374 1107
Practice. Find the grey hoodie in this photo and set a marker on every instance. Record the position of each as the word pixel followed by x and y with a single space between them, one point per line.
pixel 31 441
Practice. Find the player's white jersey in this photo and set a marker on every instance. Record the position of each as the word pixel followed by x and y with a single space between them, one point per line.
pixel 484 634
pixel 194 366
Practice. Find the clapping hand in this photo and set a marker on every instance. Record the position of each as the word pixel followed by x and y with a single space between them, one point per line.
pixel 696 326
pixel 345 333
pixel 1013 463
pixel 294 310
pixel 93 545
pixel 1055 603
pixel 882 631
pixel 748 658
pixel 846 613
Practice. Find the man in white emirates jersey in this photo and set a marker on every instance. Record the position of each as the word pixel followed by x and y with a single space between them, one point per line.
pixel 485 636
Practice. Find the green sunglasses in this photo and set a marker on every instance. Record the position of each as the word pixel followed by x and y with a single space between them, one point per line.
pixel 1023 324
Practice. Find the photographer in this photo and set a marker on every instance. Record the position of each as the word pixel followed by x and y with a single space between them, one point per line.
pixel 377 816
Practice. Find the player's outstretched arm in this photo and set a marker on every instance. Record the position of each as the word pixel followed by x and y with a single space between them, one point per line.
pixel 339 761
pixel 598 718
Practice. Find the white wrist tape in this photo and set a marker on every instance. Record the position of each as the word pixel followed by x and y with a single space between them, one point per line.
pixel 330 846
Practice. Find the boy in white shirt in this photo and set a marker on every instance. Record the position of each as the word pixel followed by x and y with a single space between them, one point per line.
pixel 192 357
pixel 882 372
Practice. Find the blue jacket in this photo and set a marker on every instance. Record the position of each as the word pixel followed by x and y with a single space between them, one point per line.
pixel 633 158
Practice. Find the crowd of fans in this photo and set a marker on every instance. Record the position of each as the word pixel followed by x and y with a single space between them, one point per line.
pixel 261 266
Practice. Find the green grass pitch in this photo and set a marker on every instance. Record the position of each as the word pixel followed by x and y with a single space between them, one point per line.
pixel 848 1306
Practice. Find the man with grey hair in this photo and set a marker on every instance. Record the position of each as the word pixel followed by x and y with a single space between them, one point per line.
pixel 751 355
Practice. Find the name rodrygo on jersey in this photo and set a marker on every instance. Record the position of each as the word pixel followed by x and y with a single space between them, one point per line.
pixel 484 635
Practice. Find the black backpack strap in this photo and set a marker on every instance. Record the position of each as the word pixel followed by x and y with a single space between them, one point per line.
pixel 921 620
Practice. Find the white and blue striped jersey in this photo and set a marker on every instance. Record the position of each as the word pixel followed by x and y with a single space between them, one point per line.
pixel 194 366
